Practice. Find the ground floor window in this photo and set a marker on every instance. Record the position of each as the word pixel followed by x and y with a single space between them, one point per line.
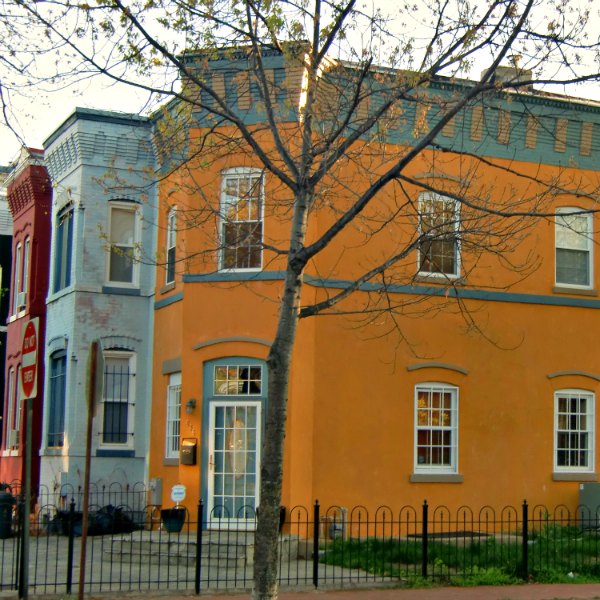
pixel 574 430
pixel 118 398
pixel 436 428
pixel 173 415
pixel 57 381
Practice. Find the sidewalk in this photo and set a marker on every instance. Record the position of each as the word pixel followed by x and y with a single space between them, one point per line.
pixel 534 591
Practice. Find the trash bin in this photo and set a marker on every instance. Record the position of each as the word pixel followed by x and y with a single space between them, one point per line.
pixel 7 501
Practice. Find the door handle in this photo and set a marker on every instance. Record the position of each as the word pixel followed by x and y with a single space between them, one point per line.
pixel 210 462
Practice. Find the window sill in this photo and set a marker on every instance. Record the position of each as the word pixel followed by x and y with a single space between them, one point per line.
pixel 52 452
pixel 167 288
pixel 171 462
pixel 17 316
pixel 436 478
pixel 575 291
pixel 53 296
pixel 123 291
pixel 242 271
pixel 115 453
pixel 574 476
pixel 441 278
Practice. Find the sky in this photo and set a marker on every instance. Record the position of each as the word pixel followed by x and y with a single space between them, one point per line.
pixel 38 118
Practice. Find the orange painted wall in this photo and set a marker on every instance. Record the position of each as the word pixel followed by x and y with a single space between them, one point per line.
pixel 350 435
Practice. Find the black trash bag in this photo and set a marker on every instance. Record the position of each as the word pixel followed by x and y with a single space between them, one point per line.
pixel 110 519
pixel 104 521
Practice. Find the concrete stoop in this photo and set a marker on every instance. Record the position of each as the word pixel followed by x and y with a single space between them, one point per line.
pixel 226 550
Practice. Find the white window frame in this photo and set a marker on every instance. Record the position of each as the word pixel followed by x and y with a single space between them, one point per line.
pixel 229 380
pixel 132 247
pixel 173 416
pixel 431 197
pixel 170 246
pixel 562 230
pixel 562 425
pixel 226 201
pixel 129 433
pixel 452 428
pixel 17 276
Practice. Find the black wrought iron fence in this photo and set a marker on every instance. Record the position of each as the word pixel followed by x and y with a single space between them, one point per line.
pixel 188 548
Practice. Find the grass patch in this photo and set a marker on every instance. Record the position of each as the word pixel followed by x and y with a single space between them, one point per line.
pixel 555 555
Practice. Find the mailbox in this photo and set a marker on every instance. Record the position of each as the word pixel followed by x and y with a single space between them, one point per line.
pixel 187 454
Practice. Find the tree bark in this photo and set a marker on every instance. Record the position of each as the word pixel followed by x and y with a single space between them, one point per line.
pixel 279 361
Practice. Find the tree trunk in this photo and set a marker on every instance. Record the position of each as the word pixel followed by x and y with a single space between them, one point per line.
pixel 279 361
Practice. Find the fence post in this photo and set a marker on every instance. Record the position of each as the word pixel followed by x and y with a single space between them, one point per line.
pixel 424 539
pixel 199 545
pixel 21 512
pixel 316 518
pixel 19 540
pixel 71 544
pixel 525 542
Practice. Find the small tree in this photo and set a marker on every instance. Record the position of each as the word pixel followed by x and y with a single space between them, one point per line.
pixel 353 73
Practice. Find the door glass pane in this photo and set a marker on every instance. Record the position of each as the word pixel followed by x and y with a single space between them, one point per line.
pixel 235 447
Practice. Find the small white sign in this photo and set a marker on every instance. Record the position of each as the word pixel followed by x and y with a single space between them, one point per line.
pixel 178 493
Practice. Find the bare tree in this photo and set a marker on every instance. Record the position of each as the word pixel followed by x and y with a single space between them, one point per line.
pixel 328 139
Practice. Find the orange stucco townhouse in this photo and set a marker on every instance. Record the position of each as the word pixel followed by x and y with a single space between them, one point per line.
pixel 465 374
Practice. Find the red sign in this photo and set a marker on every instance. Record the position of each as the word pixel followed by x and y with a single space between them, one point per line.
pixel 29 350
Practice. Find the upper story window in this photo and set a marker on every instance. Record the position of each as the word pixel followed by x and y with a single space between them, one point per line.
pixel 25 275
pixel 436 428
pixel 63 249
pixel 124 240
pixel 241 227
pixel 17 274
pixel 439 248
pixel 170 245
pixel 573 430
pixel 21 275
pixel 573 239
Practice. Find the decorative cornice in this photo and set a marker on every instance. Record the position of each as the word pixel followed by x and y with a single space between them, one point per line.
pixel 234 339
pixel 573 373
pixel 125 342
pixel 438 365
pixel 112 149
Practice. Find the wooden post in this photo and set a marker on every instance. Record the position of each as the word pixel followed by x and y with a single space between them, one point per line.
pixel 91 398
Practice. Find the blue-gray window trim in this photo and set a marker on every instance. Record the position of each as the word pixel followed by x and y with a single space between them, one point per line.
pixel 208 397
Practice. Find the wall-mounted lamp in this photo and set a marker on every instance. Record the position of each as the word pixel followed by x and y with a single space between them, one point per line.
pixel 190 406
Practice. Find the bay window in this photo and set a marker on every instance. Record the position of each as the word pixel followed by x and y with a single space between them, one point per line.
pixel 241 227
pixel 439 239
pixel 573 241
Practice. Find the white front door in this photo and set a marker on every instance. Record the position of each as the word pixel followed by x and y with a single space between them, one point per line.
pixel 233 464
